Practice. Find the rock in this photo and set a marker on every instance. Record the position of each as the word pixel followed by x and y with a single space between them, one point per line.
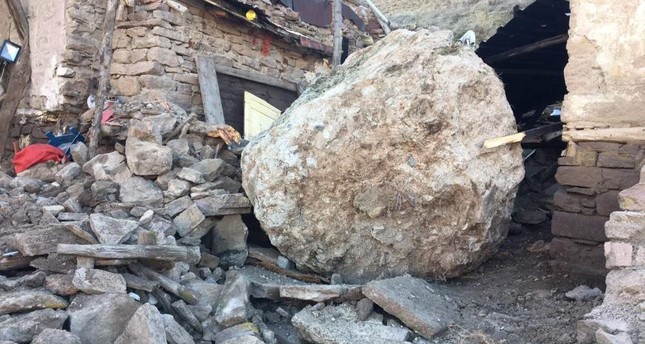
pixel 80 153
pixel 95 281
pixel 179 148
pixel 320 292
pixel 54 209
pixel 103 191
pixel 416 194
pixel 229 241
pixel 188 220
pixel 109 230
pixel 44 172
pixel 234 304
pixel 584 293
pixel 187 315
pixel 603 337
pixel 49 336
pixel 60 284
pixel 213 168
pixel 111 311
pixel 29 300
pixel 177 206
pixel 177 188
pixel 139 191
pixel 339 324
pixel 145 327
pixel 415 302
pixel 191 175
pixel 23 328
pixel 147 158
pixel 245 333
pixel 72 216
pixel 586 329
pixel 68 173
pixel 285 263
pixel 529 216
pixel 110 166
pixel 364 308
pixel 34 280
pixel 175 334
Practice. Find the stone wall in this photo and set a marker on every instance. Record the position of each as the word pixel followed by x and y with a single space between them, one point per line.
pixel 621 314
pixel 604 79
pixel 155 49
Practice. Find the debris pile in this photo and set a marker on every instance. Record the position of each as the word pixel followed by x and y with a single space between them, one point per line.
pixel 417 194
pixel 146 244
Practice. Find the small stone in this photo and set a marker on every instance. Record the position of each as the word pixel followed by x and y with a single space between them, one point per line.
pixel 147 158
pixel 139 191
pixel 72 216
pixel 68 173
pixel 23 328
pixel 175 334
pixel 177 188
pixel 428 312
pixel 60 284
pixel 29 300
pixel 213 168
pixel 145 327
pixel 110 230
pixel 111 311
pixel 110 166
pixel 191 175
pixel 188 220
pixel 234 304
pixel 80 153
pixel 229 241
pixel 50 336
pixel 94 281
pixel 34 280
pixel 364 308
pixel 54 209
pixel 177 206
pixel 584 293
pixel 285 263
pixel 146 217
pixel 336 279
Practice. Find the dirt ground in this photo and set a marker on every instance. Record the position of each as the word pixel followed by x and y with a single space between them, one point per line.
pixel 516 297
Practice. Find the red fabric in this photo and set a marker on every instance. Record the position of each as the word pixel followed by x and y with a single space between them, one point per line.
pixel 36 154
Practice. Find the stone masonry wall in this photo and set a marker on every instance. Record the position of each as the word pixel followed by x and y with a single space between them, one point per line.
pixel 155 49
pixel 604 79
pixel 621 317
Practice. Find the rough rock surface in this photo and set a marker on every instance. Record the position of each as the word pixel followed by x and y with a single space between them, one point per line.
pixel 23 328
pixel 379 168
pixel 111 311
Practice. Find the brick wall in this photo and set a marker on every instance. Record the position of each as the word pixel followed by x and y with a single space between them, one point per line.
pixel 155 49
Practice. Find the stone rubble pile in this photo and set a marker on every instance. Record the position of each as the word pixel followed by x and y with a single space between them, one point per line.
pixel 146 244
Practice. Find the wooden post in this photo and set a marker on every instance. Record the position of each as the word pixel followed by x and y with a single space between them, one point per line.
pixel 19 74
pixel 105 60
pixel 337 20
pixel 208 85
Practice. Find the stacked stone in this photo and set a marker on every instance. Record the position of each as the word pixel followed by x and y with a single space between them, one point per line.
pixel 593 174
pixel 155 49
pixel 620 318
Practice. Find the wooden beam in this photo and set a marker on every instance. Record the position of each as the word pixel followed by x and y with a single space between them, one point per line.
pixel 19 74
pixel 209 87
pixel 337 18
pixel 519 137
pixel 105 60
pixel 189 254
pixel 257 77
pixel 533 72
pixel 165 282
pixel 380 17
pixel 620 135
pixel 527 48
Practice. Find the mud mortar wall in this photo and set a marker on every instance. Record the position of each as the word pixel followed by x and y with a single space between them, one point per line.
pixel 604 79
pixel 155 49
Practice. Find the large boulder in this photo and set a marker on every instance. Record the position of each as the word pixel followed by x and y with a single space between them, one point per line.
pixel 379 168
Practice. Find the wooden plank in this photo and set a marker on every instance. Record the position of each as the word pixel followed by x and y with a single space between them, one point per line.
pixel 545 43
pixel 258 115
pixel 165 282
pixel 209 88
pixel 620 135
pixel 266 258
pixel 520 137
pixel 337 18
pixel 189 254
pixel 257 77
pixel 105 61
pixel 11 263
pixel 380 17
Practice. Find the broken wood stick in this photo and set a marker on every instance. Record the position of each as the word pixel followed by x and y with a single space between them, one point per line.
pixel 519 137
pixel 189 254
pixel 139 283
pixel 223 131
pixel 545 43
pixel 266 258
pixel 178 130
pixel 165 282
pixel 380 17
pixel 105 60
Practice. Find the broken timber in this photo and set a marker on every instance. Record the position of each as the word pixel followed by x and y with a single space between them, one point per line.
pixel 189 254
pixel 266 258
pixel 213 111
pixel 228 204
pixel 165 282
pixel 257 77
pixel 545 43
pixel 547 130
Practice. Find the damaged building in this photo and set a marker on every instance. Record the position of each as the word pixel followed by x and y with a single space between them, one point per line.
pixel 292 171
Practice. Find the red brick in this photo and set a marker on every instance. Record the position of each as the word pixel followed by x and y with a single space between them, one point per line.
pixel 589 177
pixel 579 226
pixel 619 179
pixel 615 160
pixel 567 202
pixel 567 250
